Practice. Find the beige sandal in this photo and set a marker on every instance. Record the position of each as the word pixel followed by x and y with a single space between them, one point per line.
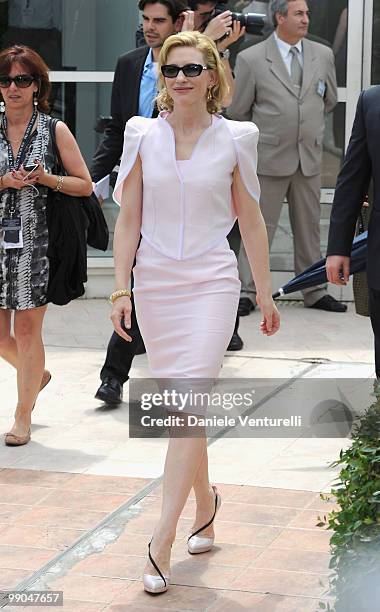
pixel 14 440
pixel 46 378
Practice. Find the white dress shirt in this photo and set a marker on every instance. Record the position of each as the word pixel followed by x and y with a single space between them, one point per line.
pixel 284 49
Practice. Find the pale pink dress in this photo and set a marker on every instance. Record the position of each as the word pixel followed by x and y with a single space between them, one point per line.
pixel 186 283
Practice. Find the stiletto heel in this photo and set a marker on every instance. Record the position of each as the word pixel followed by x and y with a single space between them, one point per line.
pixel 155 584
pixel 196 544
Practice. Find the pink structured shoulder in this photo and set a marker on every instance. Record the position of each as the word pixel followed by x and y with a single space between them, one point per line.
pixel 245 136
pixel 135 130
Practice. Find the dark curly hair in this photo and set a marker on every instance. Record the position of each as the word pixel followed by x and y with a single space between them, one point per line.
pixel 175 7
pixel 35 66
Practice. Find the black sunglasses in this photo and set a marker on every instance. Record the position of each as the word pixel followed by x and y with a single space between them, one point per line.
pixel 20 80
pixel 170 71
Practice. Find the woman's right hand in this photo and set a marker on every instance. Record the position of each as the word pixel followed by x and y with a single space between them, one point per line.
pixel 271 317
pixel 122 309
pixel 14 180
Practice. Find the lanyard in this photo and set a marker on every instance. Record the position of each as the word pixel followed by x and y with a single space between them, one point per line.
pixel 15 164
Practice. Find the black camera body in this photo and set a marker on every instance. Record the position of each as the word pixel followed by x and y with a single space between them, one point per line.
pixel 253 22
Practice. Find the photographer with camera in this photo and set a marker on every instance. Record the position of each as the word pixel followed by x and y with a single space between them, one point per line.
pixel 219 25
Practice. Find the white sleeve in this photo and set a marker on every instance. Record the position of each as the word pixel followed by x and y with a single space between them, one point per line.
pixel 246 152
pixel 133 134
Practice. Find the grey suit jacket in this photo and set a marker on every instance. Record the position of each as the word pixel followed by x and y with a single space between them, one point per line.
pixel 291 127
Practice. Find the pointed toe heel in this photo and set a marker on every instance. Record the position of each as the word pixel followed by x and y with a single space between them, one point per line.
pixel 155 584
pixel 197 544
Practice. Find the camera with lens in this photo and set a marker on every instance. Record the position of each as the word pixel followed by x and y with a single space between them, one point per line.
pixel 253 22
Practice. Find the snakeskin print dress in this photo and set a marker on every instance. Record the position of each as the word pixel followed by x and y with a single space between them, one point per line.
pixel 24 272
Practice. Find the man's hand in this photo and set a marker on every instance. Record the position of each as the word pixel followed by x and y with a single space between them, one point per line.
pixel 188 21
pixel 237 32
pixel 338 269
pixel 219 26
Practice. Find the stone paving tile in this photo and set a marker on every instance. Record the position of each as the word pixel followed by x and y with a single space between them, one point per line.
pixel 280 582
pixel 16 494
pixel 252 513
pixel 80 500
pixel 30 477
pixel 23 557
pixel 112 566
pixel 66 517
pixel 106 484
pixel 303 539
pixel 242 600
pixel 9 512
pixel 273 497
pixel 9 578
pixel 40 536
pixel 292 560
pixel 89 588
pixel 178 597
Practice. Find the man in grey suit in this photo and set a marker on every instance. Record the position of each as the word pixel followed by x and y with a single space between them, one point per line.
pixel 285 85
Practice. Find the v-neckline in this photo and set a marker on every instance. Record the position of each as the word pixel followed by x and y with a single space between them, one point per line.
pixel 189 159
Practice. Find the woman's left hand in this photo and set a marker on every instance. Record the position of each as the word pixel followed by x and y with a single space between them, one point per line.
pixel 37 176
pixel 271 317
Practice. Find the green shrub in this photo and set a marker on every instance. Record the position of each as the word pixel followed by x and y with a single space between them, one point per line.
pixel 355 543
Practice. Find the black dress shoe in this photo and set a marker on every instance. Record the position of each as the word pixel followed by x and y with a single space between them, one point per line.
pixel 245 307
pixel 327 302
pixel 236 343
pixel 110 391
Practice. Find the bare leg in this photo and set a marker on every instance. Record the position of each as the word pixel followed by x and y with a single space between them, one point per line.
pixel 8 348
pixel 205 498
pixel 31 362
pixel 182 463
pixel 7 343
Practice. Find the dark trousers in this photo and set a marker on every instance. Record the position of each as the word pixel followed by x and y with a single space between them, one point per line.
pixel 120 353
pixel 374 309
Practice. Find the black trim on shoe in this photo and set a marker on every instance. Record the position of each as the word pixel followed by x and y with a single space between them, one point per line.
pixel 155 564
pixel 209 523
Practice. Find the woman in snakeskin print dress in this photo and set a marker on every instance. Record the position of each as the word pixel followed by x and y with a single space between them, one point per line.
pixel 26 166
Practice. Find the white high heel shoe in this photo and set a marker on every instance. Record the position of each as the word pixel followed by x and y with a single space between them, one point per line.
pixel 155 584
pixel 197 544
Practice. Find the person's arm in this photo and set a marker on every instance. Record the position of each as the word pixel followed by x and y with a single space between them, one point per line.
pixel 245 91
pixel 78 181
pixel 351 189
pixel 235 33
pixel 331 95
pixel 109 151
pixel 126 240
pixel 255 240
pixel 341 31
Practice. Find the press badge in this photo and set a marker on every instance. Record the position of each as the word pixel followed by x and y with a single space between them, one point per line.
pixel 321 88
pixel 12 229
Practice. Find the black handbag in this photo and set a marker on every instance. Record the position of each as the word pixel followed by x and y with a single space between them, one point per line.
pixel 97 229
pixel 73 222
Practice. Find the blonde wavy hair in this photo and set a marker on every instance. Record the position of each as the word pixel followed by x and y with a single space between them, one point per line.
pixel 210 53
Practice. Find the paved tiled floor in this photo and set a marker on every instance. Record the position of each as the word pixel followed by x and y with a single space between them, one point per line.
pixel 269 555
pixel 71 498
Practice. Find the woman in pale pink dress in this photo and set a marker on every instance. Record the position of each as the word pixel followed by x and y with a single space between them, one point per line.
pixel 184 177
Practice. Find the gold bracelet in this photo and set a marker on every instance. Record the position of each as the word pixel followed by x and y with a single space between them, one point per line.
pixel 59 183
pixel 120 293
pixel 1 182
